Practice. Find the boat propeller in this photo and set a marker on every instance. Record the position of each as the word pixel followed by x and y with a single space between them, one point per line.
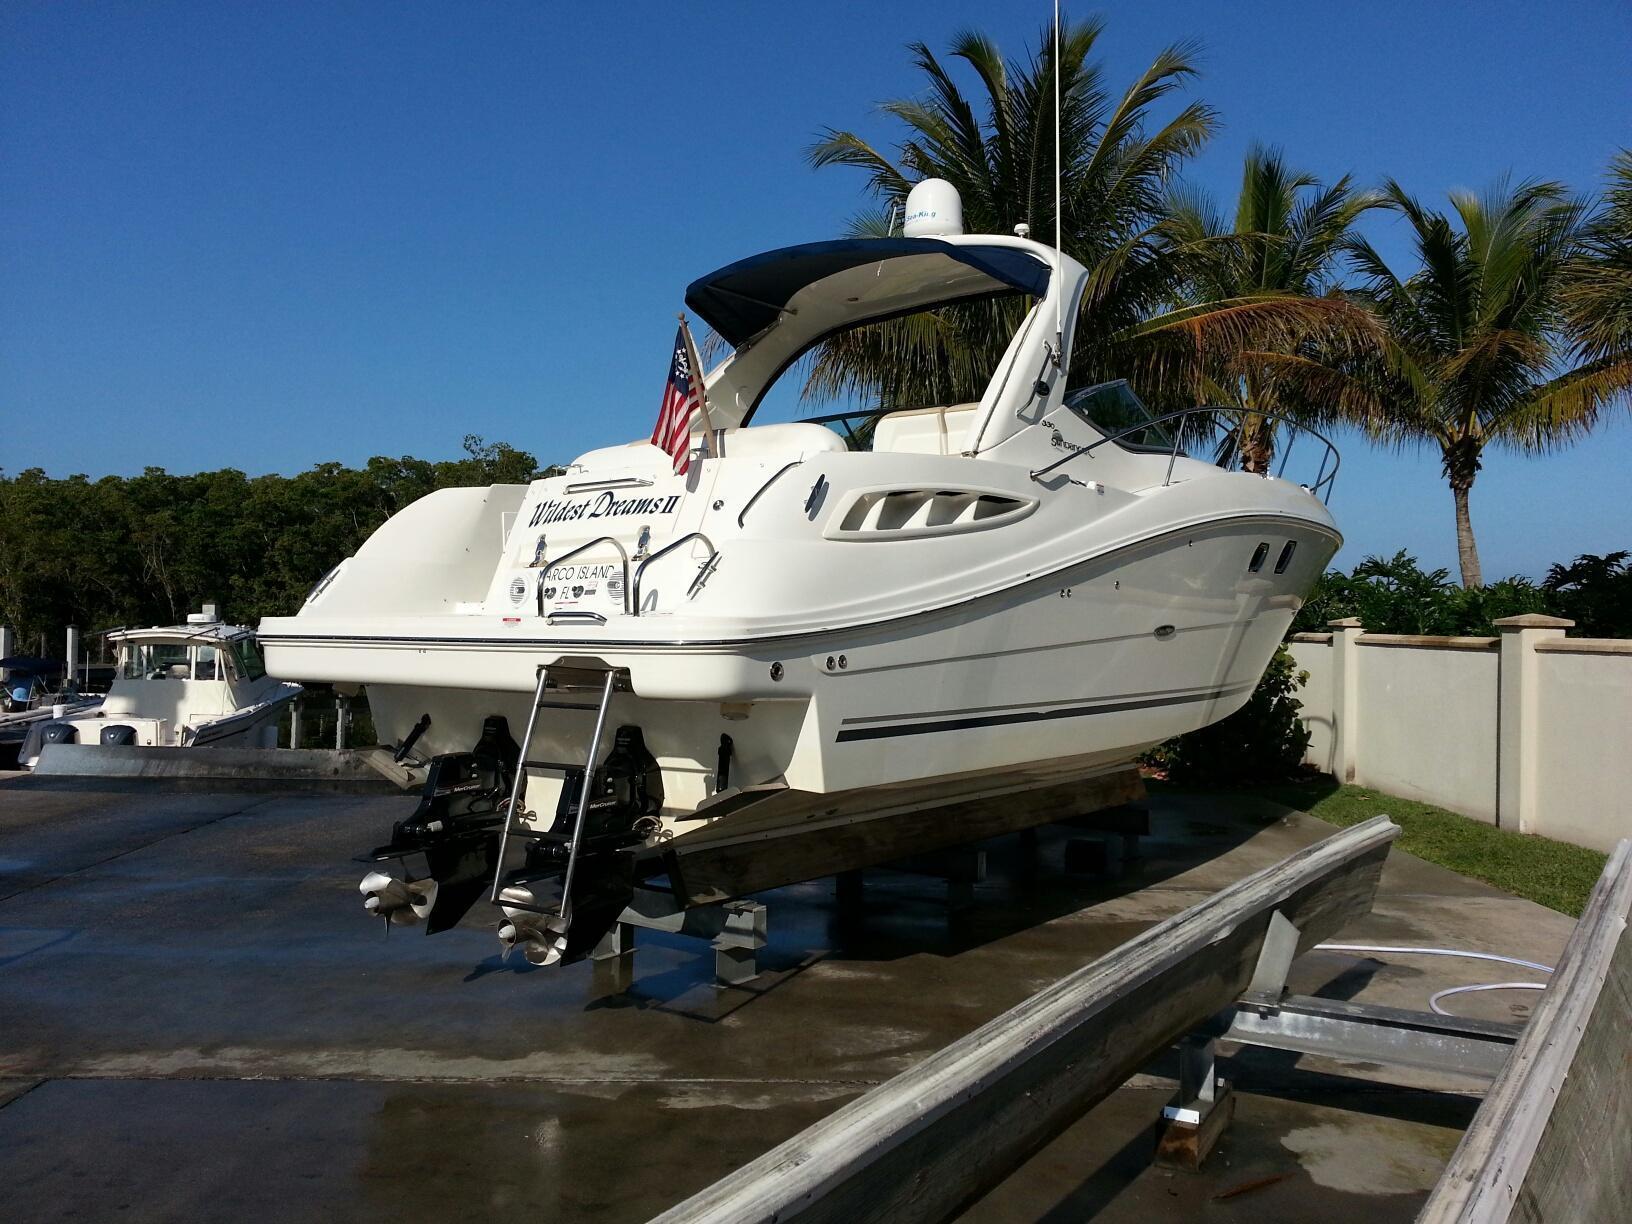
pixel 542 938
pixel 399 902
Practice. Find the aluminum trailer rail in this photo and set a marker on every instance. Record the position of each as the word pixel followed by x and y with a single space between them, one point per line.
pixel 935 1138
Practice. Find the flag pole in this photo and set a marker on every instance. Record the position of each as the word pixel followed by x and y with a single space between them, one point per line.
pixel 696 363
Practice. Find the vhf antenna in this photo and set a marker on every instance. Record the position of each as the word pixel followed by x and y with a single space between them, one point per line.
pixel 1059 290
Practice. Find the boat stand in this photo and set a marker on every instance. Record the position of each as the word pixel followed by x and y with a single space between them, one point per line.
pixel 1115 849
pixel 961 867
pixel 736 930
pixel 1267 1016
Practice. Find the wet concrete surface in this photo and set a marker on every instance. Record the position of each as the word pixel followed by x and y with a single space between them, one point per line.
pixel 197 1022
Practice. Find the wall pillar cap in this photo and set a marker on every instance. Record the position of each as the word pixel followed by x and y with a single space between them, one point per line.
pixel 1347 622
pixel 1533 620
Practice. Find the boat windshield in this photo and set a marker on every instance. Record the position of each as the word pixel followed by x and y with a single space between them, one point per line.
pixel 247 657
pixel 170 661
pixel 1113 407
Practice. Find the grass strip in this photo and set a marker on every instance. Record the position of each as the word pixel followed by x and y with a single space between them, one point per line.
pixel 1551 873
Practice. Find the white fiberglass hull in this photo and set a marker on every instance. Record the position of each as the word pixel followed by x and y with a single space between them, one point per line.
pixel 254 727
pixel 1098 660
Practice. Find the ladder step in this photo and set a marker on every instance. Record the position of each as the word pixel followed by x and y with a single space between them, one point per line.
pixel 535 834
pixel 547 911
pixel 609 682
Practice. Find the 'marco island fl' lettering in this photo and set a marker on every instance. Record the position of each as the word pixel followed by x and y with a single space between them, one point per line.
pixel 604 506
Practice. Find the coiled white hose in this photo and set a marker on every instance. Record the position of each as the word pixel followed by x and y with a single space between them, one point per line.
pixel 1433 1000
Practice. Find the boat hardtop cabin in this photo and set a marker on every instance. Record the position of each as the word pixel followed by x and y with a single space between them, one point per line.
pixel 190 685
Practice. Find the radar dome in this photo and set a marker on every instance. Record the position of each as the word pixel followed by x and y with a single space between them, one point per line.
pixel 933 209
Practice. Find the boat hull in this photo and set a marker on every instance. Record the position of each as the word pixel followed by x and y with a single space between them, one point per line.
pixel 251 728
pixel 1099 659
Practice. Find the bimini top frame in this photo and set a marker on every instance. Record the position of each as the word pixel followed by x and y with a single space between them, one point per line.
pixel 773 308
pixel 743 300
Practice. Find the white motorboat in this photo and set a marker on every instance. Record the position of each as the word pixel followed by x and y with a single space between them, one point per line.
pixel 202 684
pixel 823 625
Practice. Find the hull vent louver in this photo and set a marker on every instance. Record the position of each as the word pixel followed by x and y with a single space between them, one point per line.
pixel 903 513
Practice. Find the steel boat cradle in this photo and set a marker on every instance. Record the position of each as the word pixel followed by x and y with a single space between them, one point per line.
pixel 832 642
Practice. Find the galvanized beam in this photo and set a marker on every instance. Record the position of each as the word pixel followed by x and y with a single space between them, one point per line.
pixel 936 1137
pixel 1365 1032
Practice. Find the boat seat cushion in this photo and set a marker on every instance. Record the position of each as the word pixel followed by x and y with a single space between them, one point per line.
pixel 925 431
pixel 790 440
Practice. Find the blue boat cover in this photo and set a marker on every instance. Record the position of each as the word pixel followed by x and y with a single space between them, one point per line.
pixel 743 299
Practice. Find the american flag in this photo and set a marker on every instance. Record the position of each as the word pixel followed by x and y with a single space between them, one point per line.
pixel 682 401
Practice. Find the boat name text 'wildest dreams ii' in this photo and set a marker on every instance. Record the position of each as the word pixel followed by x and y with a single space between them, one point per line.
pixel 604 506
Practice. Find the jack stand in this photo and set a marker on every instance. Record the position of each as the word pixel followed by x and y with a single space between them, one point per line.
pixel 1117 846
pixel 619 941
pixel 736 947
pixel 962 867
pixel 847 890
pixel 1192 1123
pixel 736 929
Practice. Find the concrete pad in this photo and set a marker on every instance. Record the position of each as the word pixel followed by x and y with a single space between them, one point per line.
pixel 197 1021
pixel 226 764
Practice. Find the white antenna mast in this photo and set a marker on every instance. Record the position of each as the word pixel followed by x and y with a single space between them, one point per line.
pixel 1059 293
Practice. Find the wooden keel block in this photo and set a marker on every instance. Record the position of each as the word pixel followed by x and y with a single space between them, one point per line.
pixel 1186 1145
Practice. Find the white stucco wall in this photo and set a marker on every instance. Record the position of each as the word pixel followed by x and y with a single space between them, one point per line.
pixel 1584 747
pixel 1428 724
pixel 1531 731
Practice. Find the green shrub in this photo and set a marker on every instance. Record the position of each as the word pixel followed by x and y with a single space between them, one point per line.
pixel 1594 592
pixel 1262 740
pixel 1397 595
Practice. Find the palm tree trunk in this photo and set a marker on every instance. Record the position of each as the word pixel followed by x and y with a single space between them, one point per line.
pixel 1467 551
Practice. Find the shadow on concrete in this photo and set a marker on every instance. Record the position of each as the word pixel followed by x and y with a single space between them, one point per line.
pixel 904 914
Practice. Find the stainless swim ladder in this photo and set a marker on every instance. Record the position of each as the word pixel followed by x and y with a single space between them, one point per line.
pixel 563 913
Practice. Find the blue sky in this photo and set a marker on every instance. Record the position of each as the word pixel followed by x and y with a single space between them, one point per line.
pixel 269 235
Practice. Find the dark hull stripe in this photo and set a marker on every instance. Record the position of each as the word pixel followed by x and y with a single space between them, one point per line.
pixel 998 720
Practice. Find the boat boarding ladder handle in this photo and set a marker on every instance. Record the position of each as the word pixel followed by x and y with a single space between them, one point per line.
pixel 562 560
pixel 670 547
pixel 510 811
pixel 583 800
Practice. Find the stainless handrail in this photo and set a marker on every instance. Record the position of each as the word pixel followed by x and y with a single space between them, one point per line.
pixel 1323 478
pixel 664 551
pixel 547 566
pixel 519 781
pixel 780 472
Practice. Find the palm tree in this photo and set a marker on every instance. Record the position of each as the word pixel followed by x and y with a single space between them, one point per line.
pixel 1136 318
pixel 1474 338
pixel 1598 290
pixel 1287 237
